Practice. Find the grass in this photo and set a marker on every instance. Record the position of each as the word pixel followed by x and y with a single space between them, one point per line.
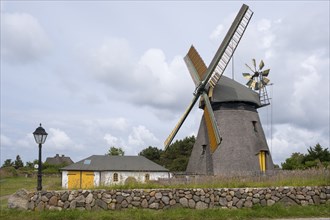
pixel 10 185
pixel 276 211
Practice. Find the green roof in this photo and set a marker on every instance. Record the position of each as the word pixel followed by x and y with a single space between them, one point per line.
pixel 116 163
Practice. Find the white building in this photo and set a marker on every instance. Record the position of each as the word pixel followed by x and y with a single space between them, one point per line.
pixel 105 170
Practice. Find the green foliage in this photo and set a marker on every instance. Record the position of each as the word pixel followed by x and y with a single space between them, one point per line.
pixel 294 162
pixel 52 169
pixel 18 162
pixel 8 163
pixel 114 151
pixel 316 157
pixel 152 153
pixel 175 157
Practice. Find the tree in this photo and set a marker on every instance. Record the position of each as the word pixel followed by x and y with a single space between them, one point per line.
pixel 176 156
pixel 294 162
pixel 8 163
pixel 114 151
pixel 316 156
pixel 18 162
pixel 152 153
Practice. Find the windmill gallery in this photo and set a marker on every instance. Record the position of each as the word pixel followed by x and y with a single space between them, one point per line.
pixel 230 137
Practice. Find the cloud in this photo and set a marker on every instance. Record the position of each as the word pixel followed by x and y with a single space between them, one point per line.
pixel 150 80
pixel 23 39
pixel 216 33
pixel 59 140
pixel 113 141
pixel 288 139
pixel 140 136
pixel 5 141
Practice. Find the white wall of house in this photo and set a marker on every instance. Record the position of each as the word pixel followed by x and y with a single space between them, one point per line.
pixel 107 177
pixel 65 179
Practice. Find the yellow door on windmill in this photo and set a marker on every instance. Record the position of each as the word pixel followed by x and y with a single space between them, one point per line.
pixel 262 161
pixel 87 180
pixel 73 179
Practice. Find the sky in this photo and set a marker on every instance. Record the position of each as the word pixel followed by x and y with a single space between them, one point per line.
pixel 98 74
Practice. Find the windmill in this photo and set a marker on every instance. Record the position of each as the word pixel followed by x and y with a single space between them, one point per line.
pixel 223 101
pixel 258 81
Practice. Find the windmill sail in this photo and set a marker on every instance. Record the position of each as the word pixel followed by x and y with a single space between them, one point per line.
pixel 205 78
pixel 228 45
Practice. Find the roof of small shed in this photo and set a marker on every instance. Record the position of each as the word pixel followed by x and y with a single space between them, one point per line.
pixel 115 163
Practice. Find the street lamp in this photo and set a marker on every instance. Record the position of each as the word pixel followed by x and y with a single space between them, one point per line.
pixel 40 136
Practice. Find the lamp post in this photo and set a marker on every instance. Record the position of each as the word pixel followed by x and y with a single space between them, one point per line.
pixel 40 136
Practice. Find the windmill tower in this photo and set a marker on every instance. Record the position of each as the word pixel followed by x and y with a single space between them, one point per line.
pixel 230 137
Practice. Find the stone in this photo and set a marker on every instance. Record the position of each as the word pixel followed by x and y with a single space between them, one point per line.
pixel 136 203
pixel 60 203
pixel 263 202
pixel 316 200
pixel 144 203
pixel 40 206
pixel 44 198
pixel 184 202
pixel 158 195
pixel 53 201
pixel 19 200
pixel 124 204
pixel 229 198
pixel 239 204
pixel 66 205
pixel 31 205
pixel 89 198
pixel 191 203
pixel 152 193
pixel 119 199
pixel 166 200
pixel 154 205
pixel 101 204
pixel 73 204
pixel 201 205
pixel 54 208
pixel 64 197
pixel 255 200
pixel 248 204
pixel 172 202
pixel 235 200
pixel 323 195
pixel 222 201
pixel 270 202
pixel 300 197
pixel 112 206
pixel 71 197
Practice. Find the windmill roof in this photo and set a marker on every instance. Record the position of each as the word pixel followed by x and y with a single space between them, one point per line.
pixel 228 90
pixel 115 163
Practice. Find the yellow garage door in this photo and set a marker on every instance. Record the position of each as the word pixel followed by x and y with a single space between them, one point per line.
pixel 80 180
pixel 73 179
pixel 87 180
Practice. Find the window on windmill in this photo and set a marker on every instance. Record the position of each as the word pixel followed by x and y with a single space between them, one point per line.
pixel 203 149
pixel 147 177
pixel 254 123
pixel 115 177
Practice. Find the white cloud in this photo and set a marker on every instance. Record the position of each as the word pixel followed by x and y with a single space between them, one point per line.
pixel 23 38
pixel 216 33
pixel 59 140
pixel 288 139
pixel 141 136
pixel 5 141
pixel 112 140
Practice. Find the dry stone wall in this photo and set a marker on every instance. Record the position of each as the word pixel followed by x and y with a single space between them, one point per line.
pixel 168 198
